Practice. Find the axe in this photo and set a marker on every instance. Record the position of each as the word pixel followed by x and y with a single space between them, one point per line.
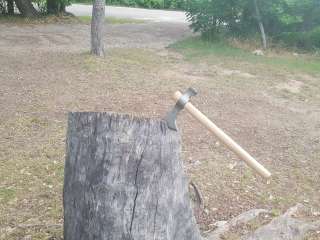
pixel 182 102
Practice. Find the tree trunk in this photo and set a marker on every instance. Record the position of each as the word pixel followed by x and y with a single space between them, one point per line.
pixel 97 27
pixel 26 8
pixel 55 7
pixel 260 23
pixel 52 6
pixel 62 8
pixel 124 180
pixel 10 6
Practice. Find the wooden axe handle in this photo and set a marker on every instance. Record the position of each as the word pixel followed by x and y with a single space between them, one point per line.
pixel 228 141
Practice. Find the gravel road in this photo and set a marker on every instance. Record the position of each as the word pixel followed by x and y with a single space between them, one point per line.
pixel 134 13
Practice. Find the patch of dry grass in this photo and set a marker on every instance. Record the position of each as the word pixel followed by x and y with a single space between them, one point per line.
pixel 51 19
pixel 113 20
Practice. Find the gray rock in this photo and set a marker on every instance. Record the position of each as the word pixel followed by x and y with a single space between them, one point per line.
pixel 258 52
pixel 285 227
pixel 225 226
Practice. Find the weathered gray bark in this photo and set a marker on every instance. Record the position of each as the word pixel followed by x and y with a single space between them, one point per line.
pixel 124 180
pixel 97 27
pixel 260 23
pixel 26 8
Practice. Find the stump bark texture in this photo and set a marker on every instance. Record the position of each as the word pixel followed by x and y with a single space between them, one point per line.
pixel 124 180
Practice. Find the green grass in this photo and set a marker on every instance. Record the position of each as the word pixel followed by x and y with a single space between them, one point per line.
pixel 195 48
pixel 6 194
pixel 112 20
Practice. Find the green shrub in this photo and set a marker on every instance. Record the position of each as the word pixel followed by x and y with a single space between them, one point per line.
pixel 210 17
pixel 304 40
pixel 314 37
pixel 292 39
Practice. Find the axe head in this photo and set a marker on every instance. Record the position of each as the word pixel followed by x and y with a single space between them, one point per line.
pixel 171 116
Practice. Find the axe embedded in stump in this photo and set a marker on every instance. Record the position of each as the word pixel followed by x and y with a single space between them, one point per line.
pixel 183 103
pixel 124 178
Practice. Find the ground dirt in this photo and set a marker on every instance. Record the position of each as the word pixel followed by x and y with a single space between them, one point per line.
pixel 46 71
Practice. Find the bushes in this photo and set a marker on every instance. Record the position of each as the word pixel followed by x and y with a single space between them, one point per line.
pixel 304 40
pixel 314 38
pixel 294 23
pixel 212 17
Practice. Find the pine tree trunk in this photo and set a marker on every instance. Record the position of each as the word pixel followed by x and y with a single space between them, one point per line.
pixel 26 8
pixel 52 6
pixel 124 180
pixel 10 7
pixel 62 8
pixel 260 23
pixel 97 27
pixel 55 7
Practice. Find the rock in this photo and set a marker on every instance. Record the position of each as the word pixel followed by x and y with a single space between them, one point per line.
pixel 232 165
pixel 289 226
pixel 292 86
pixel 258 52
pixel 225 226
pixel 227 72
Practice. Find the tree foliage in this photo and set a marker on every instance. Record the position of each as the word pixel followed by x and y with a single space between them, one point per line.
pixel 282 19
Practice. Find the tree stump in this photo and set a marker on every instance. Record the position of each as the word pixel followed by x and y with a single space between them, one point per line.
pixel 124 180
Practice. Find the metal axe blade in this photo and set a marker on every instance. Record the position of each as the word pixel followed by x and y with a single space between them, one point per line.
pixel 181 102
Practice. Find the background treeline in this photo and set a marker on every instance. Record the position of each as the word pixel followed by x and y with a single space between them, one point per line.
pixel 293 23
pixel 156 4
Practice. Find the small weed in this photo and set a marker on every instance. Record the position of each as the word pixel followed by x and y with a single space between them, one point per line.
pixel 275 212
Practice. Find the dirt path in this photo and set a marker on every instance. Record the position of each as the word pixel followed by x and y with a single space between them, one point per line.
pixel 46 72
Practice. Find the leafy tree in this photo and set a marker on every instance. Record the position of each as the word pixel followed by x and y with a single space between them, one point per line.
pixel 306 13
pixel 212 17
